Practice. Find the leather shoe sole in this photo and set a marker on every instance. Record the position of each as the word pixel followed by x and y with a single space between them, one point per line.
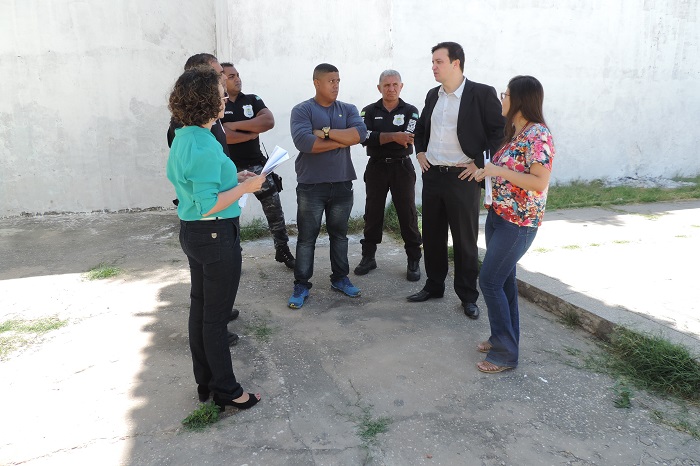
pixel 423 295
pixel 471 310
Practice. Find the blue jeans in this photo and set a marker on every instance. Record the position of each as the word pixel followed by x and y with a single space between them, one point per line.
pixel 506 243
pixel 213 250
pixel 335 199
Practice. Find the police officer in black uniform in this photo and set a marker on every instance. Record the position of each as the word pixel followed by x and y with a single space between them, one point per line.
pixel 245 117
pixel 390 125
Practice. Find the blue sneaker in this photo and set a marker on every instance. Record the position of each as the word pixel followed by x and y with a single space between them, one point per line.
pixel 346 287
pixel 301 293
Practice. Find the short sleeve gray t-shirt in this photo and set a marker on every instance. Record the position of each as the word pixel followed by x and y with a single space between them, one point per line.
pixel 324 167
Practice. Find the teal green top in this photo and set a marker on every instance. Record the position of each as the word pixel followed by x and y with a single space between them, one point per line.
pixel 199 170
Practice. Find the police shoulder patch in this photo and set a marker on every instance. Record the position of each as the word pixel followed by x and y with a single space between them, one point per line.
pixel 362 113
pixel 257 97
pixel 415 115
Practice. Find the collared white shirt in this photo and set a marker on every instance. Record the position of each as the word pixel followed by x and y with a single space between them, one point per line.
pixel 443 146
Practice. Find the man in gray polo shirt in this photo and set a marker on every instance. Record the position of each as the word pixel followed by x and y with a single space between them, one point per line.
pixel 323 129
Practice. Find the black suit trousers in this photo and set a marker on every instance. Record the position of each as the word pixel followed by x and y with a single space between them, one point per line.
pixel 454 203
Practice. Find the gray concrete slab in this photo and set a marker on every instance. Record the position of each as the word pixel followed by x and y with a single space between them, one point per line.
pixel 112 386
pixel 628 265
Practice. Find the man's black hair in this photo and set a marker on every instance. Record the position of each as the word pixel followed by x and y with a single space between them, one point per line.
pixel 199 60
pixel 454 52
pixel 324 68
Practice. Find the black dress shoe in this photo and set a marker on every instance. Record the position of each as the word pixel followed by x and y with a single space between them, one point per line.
pixel 234 314
pixel 232 339
pixel 423 295
pixel 471 310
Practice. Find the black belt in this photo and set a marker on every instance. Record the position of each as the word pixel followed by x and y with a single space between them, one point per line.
pixel 390 159
pixel 447 169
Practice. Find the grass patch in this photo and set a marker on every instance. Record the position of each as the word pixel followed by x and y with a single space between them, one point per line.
pixel 17 333
pixel 541 250
pixel 256 229
pixel 260 329
pixel 595 245
pixel 594 193
pixel 571 319
pixel 681 236
pixel 682 425
pixel 356 225
pixel 572 246
pixel 623 396
pixel 367 426
pixel 654 363
pixel 205 415
pixel 102 271
pixel 621 241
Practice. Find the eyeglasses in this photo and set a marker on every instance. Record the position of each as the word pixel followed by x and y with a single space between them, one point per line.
pixel 225 97
pixel 503 95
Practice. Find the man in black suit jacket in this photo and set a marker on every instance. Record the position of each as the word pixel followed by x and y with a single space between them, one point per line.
pixel 461 120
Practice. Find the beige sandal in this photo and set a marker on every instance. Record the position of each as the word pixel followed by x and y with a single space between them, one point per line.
pixel 490 368
pixel 484 347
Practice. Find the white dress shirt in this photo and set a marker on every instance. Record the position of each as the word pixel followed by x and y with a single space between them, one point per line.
pixel 443 146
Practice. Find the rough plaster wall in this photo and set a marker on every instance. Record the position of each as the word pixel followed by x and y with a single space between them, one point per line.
pixel 84 93
pixel 619 77
pixel 84 84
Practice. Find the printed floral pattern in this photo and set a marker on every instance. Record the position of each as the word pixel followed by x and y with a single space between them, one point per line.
pixel 522 207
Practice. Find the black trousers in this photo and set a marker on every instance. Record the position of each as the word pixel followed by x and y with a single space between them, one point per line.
pixel 454 203
pixel 399 177
pixel 213 251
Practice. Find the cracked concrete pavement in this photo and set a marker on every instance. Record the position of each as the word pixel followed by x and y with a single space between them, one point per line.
pixel 112 386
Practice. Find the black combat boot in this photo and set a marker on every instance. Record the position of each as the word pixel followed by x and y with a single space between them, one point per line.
pixel 413 270
pixel 283 254
pixel 366 264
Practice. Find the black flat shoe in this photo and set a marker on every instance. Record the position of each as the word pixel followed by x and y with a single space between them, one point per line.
pixel 423 295
pixel 471 310
pixel 232 339
pixel 203 392
pixel 234 314
pixel 252 401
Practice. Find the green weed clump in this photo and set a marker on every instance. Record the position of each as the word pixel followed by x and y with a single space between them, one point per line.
pixel 205 415
pixel 254 230
pixel 101 271
pixel 260 330
pixel 654 363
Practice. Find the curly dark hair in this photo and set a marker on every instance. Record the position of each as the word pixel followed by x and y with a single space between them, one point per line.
pixel 195 99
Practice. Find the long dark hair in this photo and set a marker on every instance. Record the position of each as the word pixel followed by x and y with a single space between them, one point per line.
pixel 526 96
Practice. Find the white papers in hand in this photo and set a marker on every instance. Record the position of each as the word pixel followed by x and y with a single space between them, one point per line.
pixel 278 156
pixel 488 196
pixel 242 200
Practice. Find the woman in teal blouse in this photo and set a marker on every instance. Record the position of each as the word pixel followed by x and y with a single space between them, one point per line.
pixel 208 188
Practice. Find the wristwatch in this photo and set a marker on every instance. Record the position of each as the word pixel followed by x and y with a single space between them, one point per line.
pixel 326 132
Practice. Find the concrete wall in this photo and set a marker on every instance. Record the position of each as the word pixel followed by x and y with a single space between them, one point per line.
pixel 82 119
pixel 83 112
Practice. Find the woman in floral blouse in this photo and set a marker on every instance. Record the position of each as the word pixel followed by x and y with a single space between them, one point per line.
pixel 520 173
